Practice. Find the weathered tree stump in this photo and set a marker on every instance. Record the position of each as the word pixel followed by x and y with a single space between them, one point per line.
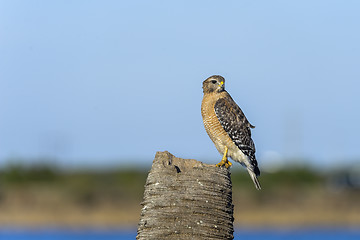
pixel 186 199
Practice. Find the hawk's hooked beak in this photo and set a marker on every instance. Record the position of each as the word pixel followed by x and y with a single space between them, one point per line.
pixel 221 84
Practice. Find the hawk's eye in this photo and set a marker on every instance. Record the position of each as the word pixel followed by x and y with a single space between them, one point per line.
pixel 213 81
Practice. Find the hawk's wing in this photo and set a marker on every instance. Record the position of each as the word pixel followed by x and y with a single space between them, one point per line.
pixel 234 122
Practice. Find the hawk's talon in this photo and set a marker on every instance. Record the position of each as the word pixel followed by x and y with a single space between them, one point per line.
pixel 224 161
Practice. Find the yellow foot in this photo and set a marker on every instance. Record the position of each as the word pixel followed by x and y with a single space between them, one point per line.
pixel 224 161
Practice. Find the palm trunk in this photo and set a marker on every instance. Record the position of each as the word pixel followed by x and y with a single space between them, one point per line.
pixel 186 199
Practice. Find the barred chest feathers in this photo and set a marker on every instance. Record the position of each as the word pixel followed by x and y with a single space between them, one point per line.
pixel 214 128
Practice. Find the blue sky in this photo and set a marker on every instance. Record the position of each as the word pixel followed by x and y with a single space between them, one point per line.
pixel 112 82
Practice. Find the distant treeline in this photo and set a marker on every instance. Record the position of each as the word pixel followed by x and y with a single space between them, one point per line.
pixel 135 178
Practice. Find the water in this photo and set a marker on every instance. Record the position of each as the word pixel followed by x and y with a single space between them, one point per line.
pixel 86 234
pixel 299 234
pixel 65 234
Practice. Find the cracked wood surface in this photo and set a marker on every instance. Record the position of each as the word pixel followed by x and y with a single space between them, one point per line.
pixel 186 199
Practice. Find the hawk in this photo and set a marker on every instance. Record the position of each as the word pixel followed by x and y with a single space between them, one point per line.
pixel 227 127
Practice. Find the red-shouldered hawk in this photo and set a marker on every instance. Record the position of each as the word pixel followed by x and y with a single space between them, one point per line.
pixel 228 127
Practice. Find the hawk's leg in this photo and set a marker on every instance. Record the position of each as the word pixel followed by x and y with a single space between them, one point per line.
pixel 224 161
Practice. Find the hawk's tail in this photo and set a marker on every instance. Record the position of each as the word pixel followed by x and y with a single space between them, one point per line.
pixel 254 178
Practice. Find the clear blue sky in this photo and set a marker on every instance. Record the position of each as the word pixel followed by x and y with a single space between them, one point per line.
pixel 101 82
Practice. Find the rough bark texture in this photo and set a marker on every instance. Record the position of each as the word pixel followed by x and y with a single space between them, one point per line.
pixel 186 199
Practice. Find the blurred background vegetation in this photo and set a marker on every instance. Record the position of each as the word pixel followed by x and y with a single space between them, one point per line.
pixel 48 195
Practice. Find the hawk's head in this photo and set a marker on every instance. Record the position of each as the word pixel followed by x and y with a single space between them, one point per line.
pixel 215 83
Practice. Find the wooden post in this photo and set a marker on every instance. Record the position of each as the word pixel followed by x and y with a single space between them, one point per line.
pixel 186 199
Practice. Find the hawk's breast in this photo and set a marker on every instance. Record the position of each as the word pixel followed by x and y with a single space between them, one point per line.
pixel 212 124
